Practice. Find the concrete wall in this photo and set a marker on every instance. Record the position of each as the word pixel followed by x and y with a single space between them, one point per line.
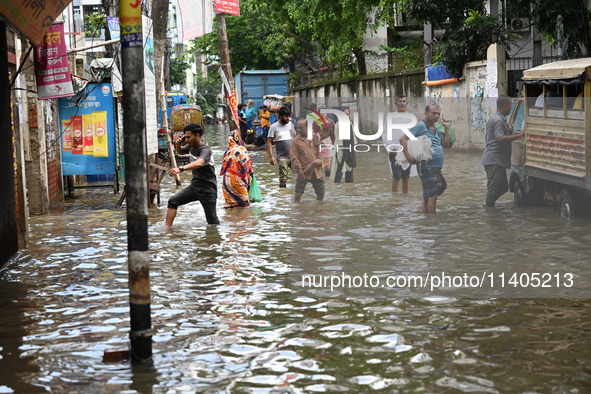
pixel 367 95
pixel 468 103
pixel 39 146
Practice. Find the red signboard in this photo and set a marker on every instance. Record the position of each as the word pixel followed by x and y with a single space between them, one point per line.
pixel 233 101
pixel 231 7
pixel 52 70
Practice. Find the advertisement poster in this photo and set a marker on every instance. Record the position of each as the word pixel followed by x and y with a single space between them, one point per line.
pixel 231 7
pixel 88 131
pixel 150 87
pixel 197 18
pixel 52 70
pixel 114 28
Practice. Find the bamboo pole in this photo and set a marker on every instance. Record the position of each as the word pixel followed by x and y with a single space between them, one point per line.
pixel 171 149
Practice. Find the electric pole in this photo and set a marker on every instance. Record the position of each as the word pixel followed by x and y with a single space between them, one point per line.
pixel 136 174
pixel 227 69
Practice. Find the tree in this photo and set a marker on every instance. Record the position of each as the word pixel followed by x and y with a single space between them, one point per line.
pixel 468 29
pixel 576 23
pixel 469 42
pixel 442 13
pixel 208 88
pixel 338 26
pixel 315 34
pixel 178 70
pixel 93 24
pixel 159 17
pixel 255 39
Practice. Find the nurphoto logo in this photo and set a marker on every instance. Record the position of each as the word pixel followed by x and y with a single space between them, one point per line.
pixel 391 123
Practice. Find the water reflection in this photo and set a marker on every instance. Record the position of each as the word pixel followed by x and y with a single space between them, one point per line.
pixel 225 321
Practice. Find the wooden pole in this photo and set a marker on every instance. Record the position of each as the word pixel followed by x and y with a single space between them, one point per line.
pixel 134 131
pixel 226 66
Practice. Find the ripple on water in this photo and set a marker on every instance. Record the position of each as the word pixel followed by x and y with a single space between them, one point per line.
pixel 224 317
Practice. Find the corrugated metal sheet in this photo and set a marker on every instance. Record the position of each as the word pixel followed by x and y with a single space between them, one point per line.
pixel 553 146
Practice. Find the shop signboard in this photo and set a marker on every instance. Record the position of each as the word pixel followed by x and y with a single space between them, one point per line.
pixel 32 17
pixel 87 135
pixel 52 70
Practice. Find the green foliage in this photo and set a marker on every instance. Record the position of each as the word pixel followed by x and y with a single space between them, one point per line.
pixel 326 37
pixel 406 56
pixel 317 35
pixel 468 29
pixel 93 23
pixel 255 39
pixel 442 13
pixel 576 23
pixel 337 28
pixel 208 88
pixel 469 42
pixel 178 70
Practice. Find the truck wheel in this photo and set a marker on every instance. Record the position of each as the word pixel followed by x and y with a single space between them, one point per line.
pixel 567 206
pixel 519 194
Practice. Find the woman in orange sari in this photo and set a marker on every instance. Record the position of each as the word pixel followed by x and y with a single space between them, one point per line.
pixel 236 171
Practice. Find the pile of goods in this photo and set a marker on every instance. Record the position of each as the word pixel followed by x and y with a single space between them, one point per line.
pixel 184 114
pixel 273 102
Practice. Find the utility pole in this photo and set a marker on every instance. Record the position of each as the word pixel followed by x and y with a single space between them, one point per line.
pixel 227 68
pixel 134 130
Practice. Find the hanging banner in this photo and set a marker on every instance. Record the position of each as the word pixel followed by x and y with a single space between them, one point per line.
pixel 196 18
pixel 151 109
pixel 52 70
pixel 90 115
pixel 233 103
pixel 32 17
pixel 231 7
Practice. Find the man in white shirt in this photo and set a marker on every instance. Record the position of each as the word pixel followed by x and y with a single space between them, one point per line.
pixel 397 172
pixel 281 134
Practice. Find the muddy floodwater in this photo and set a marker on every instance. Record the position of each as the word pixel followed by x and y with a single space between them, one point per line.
pixel 227 317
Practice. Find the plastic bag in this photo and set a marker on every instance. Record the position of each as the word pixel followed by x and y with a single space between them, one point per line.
pixel 452 137
pixel 254 193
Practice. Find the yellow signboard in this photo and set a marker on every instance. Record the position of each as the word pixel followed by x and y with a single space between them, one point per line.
pixel 32 17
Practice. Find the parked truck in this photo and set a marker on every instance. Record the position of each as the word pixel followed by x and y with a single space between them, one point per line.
pixel 254 84
pixel 553 161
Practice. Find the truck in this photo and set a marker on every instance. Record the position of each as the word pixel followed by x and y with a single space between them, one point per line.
pixel 553 160
pixel 254 84
pixel 172 100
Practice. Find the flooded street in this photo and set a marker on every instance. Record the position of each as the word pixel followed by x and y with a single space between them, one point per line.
pixel 227 317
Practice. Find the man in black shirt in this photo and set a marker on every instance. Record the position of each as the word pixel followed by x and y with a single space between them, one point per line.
pixel 203 187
